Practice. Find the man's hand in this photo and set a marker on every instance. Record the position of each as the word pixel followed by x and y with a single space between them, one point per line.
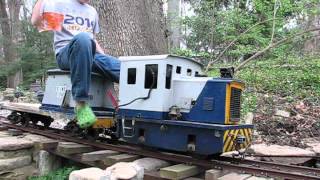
pixel 36 14
pixel 99 49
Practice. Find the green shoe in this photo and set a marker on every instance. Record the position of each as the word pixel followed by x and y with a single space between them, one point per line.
pixel 85 116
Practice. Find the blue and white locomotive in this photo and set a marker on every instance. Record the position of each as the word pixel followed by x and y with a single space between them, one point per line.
pixel 163 102
pixel 185 112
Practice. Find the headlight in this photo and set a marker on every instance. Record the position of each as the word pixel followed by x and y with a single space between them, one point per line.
pixel 241 139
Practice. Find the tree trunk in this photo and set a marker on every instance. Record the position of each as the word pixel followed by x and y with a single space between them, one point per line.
pixel 131 28
pixel 174 12
pixel 10 32
pixel 312 46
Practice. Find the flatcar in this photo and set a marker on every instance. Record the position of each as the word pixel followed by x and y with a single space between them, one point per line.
pixel 163 102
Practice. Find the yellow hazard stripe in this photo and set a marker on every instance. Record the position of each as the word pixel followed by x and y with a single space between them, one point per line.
pixel 230 145
pixel 228 139
pixel 230 136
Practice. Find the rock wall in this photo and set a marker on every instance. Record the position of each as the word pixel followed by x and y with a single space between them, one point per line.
pixel 20 158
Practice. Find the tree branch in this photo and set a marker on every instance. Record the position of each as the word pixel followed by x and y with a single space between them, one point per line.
pixel 274 21
pixel 272 45
pixel 235 40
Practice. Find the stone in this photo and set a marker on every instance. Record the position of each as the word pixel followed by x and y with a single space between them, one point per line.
pixel 235 176
pixel 8 97
pixel 258 178
pixel 9 91
pixel 179 171
pixel 277 150
pixel 46 144
pixel 17 153
pixel 108 161
pixel 213 174
pixel 4 134
pixel 151 164
pixel 282 113
pixel 14 132
pixel 13 163
pixel 314 144
pixel 19 174
pixel 3 128
pixel 14 143
pixel 249 118
pixel 49 144
pixel 72 148
pixel 37 138
pixel 98 155
pixel 153 175
pixel 124 170
pixel 87 174
pixel 48 162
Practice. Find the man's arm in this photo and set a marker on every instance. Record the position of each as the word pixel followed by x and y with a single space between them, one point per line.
pixel 99 49
pixel 36 14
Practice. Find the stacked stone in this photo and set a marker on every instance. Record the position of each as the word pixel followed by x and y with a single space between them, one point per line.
pixel 15 157
pixel 29 97
pixel 119 170
pixel 21 155
pixel 8 94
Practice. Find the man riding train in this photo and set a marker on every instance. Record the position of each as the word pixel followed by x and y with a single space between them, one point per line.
pixel 75 24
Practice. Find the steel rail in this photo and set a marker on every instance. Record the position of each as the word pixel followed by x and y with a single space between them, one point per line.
pixel 283 156
pixel 273 165
pixel 277 172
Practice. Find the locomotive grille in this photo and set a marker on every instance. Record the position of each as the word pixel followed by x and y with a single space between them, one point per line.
pixel 235 104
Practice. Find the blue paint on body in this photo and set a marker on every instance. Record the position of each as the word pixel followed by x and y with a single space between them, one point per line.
pixel 173 135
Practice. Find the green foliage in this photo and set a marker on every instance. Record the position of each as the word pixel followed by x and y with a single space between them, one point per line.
pixel 61 174
pixel 35 55
pixel 249 102
pixel 293 78
pixel 216 23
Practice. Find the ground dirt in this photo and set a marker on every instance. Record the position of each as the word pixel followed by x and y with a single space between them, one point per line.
pixel 273 128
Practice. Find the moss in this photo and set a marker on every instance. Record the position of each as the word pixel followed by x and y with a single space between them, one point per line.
pixel 60 174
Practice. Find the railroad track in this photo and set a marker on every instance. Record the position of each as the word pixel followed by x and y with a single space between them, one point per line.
pixel 254 167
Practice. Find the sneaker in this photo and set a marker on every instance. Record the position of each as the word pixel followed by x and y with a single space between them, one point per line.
pixel 85 116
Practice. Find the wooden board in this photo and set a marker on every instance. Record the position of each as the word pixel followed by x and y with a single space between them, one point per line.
pixel 34 109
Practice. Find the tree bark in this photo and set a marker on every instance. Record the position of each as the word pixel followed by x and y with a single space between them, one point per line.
pixel 10 33
pixel 131 28
pixel 174 12
pixel 312 46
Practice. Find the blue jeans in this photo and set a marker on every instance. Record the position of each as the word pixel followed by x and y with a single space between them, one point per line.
pixel 80 58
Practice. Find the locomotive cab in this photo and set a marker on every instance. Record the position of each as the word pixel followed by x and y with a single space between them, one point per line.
pixel 156 75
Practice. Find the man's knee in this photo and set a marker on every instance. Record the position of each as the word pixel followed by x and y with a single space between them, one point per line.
pixel 83 39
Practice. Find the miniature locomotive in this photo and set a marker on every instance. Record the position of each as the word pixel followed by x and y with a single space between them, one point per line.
pixel 164 102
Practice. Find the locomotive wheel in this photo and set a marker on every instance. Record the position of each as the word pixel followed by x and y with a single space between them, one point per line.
pixel 46 124
pixel 93 134
pixel 25 120
pixel 111 133
pixel 14 117
pixel 34 122
pixel 73 127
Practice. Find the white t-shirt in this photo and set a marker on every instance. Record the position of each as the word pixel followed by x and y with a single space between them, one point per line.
pixel 77 18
